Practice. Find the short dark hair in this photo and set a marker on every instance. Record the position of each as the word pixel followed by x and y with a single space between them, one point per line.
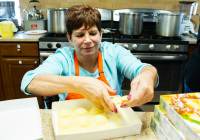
pixel 79 15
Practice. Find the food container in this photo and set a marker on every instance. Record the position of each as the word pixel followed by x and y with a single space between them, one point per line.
pixel 7 28
pixel 20 120
pixel 171 131
pixel 132 122
pixel 183 111
pixel 158 131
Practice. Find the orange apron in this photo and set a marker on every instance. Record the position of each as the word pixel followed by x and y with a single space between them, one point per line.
pixel 102 77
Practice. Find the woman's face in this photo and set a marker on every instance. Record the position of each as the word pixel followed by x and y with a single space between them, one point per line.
pixel 86 41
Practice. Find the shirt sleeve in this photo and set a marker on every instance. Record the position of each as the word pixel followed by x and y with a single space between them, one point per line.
pixel 52 65
pixel 127 63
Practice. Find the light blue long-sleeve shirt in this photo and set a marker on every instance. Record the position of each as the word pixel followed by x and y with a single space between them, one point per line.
pixel 117 63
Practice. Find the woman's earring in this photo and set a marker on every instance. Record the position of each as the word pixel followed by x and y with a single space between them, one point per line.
pixel 101 45
pixel 71 48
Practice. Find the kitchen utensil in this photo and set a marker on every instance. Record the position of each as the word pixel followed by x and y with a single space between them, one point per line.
pixel 56 20
pixel 131 23
pixel 33 14
pixel 169 24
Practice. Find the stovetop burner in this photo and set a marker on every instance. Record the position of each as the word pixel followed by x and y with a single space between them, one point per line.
pixel 50 37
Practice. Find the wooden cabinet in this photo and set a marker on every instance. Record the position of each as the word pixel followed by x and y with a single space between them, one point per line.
pixel 192 47
pixel 16 59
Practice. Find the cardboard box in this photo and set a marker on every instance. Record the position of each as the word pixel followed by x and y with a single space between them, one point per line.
pixel 166 125
pixel 158 131
pixel 132 127
pixel 183 110
pixel 20 119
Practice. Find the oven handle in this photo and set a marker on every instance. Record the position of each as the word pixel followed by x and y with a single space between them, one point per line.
pixel 45 54
pixel 161 57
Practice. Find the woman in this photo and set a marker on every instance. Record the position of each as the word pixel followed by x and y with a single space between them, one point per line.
pixel 89 68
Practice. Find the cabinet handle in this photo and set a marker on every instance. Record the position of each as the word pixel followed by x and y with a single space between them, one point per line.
pixel 18 50
pixel 20 62
pixel 35 62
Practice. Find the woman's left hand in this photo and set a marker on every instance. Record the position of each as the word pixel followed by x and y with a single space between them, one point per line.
pixel 142 87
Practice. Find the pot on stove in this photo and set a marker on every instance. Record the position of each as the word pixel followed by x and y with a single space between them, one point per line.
pixel 169 24
pixel 56 20
pixel 131 23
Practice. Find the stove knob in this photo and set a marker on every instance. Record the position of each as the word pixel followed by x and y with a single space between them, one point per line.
pixel 49 45
pixel 58 45
pixel 151 47
pixel 176 47
pixel 134 46
pixel 168 47
pixel 125 46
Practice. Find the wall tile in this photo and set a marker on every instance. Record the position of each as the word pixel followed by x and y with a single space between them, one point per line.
pixel 171 1
pixel 172 7
pixel 158 1
pixel 123 6
pixel 158 6
pixel 108 1
pixel 140 1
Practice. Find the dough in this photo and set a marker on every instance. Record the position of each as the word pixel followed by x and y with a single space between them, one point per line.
pixel 66 123
pixel 100 119
pixel 83 121
pixel 81 111
pixel 63 113
pixel 94 110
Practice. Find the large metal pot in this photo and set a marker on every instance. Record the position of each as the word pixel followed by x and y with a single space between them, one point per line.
pixel 56 20
pixel 130 23
pixel 169 24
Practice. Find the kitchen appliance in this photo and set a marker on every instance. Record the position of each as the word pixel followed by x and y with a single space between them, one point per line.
pixel 33 14
pixel 35 24
pixel 189 8
pixel 169 24
pixel 34 19
pixel 167 54
pixel 56 20
pixel 131 23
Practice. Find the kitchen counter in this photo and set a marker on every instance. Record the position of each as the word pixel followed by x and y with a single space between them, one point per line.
pixel 192 39
pixel 22 37
pixel 145 117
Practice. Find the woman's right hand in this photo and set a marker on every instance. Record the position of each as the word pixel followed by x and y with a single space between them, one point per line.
pixel 98 93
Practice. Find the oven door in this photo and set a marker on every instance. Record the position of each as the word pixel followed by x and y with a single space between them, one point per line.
pixel 169 69
pixel 44 55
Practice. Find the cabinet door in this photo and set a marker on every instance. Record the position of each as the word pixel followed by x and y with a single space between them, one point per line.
pixel 1 90
pixel 12 71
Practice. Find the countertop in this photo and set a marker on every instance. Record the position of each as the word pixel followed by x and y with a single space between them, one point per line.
pixel 22 37
pixel 145 117
pixel 192 39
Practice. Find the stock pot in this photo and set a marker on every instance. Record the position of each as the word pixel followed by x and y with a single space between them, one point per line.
pixel 130 23
pixel 56 20
pixel 169 24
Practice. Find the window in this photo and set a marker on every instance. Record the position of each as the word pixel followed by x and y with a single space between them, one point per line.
pixel 9 9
